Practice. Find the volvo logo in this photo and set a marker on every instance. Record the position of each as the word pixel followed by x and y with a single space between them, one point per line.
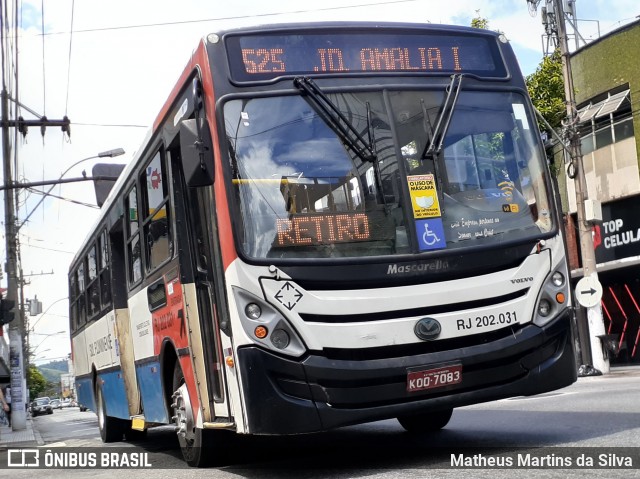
pixel 427 328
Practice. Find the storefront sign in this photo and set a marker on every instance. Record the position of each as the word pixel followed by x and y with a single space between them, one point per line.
pixel 618 236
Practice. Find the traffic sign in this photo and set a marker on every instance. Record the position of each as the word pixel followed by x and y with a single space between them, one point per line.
pixel 588 291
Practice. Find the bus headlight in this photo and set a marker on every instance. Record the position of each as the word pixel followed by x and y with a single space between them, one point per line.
pixel 552 299
pixel 558 279
pixel 265 325
pixel 253 311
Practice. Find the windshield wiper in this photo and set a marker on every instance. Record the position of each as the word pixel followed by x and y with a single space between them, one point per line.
pixel 436 135
pixel 336 120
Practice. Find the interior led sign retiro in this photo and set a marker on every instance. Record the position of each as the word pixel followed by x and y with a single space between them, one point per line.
pixel 308 230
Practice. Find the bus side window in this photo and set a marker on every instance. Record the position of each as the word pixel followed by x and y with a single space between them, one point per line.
pixel 93 290
pixel 105 270
pixel 82 306
pixel 156 221
pixel 134 255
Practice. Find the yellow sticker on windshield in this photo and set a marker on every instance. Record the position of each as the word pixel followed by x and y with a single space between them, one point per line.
pixel 424 196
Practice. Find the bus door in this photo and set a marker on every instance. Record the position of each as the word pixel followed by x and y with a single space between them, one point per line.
pixel 195 205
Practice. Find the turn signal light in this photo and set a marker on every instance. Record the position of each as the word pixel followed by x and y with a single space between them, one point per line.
pixel 260 332
pixel 560 298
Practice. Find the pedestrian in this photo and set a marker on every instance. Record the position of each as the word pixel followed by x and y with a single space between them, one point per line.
pixel 5 405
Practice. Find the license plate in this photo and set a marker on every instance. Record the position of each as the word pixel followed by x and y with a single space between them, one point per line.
pixel 434 378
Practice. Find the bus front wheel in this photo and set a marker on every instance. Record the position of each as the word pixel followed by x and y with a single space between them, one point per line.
pixel 426 422
pixel 191 438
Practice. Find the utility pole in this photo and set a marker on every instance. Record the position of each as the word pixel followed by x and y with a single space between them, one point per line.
pixel 16 357
pixel 576 171
pixel 17 330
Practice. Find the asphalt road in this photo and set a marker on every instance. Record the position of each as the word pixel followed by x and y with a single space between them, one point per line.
pixel 587 418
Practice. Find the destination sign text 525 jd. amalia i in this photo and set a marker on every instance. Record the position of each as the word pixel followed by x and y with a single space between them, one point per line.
pixel 267 56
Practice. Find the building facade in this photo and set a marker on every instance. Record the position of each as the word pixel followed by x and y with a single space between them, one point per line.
pixel 606 75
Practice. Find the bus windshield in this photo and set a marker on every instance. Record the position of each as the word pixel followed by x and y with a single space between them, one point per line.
pixel 304 193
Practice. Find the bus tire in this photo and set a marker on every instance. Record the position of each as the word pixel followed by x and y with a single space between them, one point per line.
pixel 191 438
pixel 426 422
pixel 111 428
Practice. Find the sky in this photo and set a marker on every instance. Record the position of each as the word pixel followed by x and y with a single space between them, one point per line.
pixel 111 76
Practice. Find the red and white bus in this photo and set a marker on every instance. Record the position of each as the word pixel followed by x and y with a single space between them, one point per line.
pixel 328 224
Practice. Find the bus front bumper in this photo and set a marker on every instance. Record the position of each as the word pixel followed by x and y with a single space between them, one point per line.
pixel 317 393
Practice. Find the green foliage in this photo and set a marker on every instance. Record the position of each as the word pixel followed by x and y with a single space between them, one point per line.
pixel 36 382
pixel 546 88
pixel 51 375
pixel 479 22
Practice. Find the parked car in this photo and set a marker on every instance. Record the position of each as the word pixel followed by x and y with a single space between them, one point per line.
pixel 41 406
pixel 56 404
pixel 65 403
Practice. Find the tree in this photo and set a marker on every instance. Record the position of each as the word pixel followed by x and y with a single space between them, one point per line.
pixel 479 22
pixel 546 89
pixel 35 381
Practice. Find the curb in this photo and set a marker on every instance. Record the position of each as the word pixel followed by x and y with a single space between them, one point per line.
pixel 36 435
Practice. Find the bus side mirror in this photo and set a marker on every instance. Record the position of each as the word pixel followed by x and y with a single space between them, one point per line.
pixel 196 150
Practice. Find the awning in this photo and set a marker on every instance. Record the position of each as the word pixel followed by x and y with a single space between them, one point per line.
pixel 603 108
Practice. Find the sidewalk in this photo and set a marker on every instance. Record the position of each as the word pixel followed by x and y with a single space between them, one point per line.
pixel 26 437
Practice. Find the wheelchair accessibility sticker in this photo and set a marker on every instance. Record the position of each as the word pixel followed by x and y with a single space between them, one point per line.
pixel 430 234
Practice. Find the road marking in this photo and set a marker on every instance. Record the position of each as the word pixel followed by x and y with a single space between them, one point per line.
pixel 539 396
pixel 93 429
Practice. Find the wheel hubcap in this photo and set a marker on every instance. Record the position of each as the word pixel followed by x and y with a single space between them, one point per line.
pixel 100 411
pixel 183 414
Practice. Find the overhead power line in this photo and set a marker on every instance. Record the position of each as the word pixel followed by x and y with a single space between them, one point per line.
pixel 237 17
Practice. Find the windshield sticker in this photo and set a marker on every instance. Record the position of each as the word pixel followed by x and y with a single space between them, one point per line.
pixel 507 186
pixel 511 208
pixel 467 228
pixel 424 196
pixel 430 234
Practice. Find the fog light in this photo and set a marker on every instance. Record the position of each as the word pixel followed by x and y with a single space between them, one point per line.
pixel 544 308
pixel 557 278
pixel 253 311
pixel 280 338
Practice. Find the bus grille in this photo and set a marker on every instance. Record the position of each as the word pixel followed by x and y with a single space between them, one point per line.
pixel 406 313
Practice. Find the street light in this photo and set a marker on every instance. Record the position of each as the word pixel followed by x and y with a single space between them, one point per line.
pixel 46 334
pixel 104 154
pixel 46 310
pixel 55 358
pixel 47 337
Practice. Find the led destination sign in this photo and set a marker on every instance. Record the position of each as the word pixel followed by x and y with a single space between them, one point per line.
pixel 267 56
